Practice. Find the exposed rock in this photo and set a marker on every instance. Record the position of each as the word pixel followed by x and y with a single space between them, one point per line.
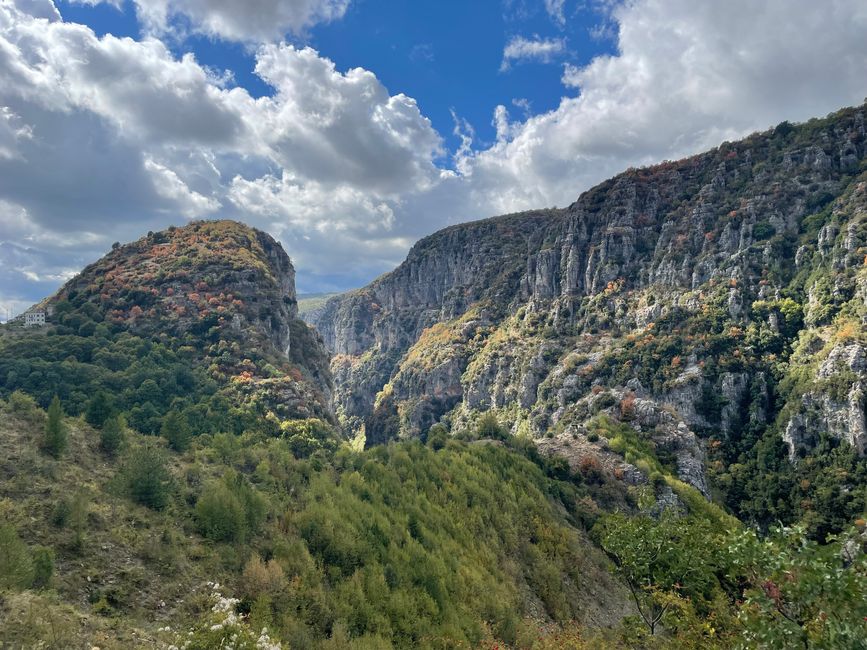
pixel 562 293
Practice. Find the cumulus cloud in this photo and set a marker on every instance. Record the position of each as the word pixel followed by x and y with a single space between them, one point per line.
pixel 107 137
pixel 102 139
pixel 337 127
pixel 686 76
pixel 571 75
pixel 250 21
pixel 542 50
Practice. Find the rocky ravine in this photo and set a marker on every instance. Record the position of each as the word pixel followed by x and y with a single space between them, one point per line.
pixel 695 299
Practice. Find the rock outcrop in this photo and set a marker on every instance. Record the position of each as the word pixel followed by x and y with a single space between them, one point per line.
pixel 691 279
pixel 227 292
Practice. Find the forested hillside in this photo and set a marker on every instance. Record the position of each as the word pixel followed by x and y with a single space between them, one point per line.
pixel 638 422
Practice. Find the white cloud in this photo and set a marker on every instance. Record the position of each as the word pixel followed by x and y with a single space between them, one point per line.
pixel 248 21
pixel 686 76
pixel 555 9
pixel 538 49
pixel 571 75
pixel 105 138
pixel 335 127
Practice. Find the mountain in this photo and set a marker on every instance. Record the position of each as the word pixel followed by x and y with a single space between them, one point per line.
pixel 715 304
pixel 170 475
pixel 582 428
pixel 215 301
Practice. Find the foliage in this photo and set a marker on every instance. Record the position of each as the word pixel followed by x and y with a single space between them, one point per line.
pixel 55 441
pixel 223 627
pixel 16 565
pixel 112 435
pixel 99 409
pixel 145 478
pixel 799 593
pixel 657 559
pixel 43 567
pixel 230 510
pixel 488 427
pixel 306 437
pixel 176 431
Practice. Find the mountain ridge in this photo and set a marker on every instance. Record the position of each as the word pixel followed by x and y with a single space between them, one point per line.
pixel 669 287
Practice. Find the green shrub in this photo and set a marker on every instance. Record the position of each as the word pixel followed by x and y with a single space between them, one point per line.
pixel 220 515
pixel 230 510
pixel 111 437
pixel 43 567
pixel 99 409
pixel 176 430
pixel 489 427
pixel 437 437
pixel 55 441
pixel 22 404
pixel 16 566
pixel 145 477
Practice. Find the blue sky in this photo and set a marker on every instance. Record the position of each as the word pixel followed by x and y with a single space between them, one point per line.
pixel 349 129
pixel 446 54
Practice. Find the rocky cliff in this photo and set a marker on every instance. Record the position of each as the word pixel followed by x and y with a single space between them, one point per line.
pixel 707 302
pixel 221 291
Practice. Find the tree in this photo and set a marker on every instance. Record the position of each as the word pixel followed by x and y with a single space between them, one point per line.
pixel 145 477
pixel 99 409
pixel 799 592
pixel 220 515
pixel 176 430
pixel 111 436
pixel 489 427
pixel 43 567
pixel 55 430
pixel 16 567
pixel 657 558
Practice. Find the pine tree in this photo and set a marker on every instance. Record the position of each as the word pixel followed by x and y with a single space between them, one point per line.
pixel 98 410
pixel 112 434
pixel 176 430
pixel 145 477
pixel 55 430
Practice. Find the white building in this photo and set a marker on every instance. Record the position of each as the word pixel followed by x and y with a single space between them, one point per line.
pixel 34 319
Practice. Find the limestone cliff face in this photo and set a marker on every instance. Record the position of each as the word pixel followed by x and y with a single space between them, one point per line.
pixel 691 281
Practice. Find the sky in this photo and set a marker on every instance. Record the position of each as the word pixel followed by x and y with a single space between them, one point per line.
pixel 348 129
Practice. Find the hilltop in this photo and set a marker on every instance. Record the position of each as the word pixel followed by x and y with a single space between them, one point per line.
pixel 208 309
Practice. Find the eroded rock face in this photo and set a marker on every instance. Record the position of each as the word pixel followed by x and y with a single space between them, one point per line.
pixel 837 404
pixel 228 292
pixel 529 314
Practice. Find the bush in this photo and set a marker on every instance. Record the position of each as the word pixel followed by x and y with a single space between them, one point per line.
pixel 145 477
pixel 220 515
pixel 23 405
pixel 176 430
pixel 437 437
pixel 43 567
pixel 55 431
pixel 489 427
pixel 99 409
pixel 16 567
pixel 230 510
pixel 111 437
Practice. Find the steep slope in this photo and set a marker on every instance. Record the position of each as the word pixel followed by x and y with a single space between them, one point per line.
pixel 697 300
pixel 212 301
pixel 406 547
